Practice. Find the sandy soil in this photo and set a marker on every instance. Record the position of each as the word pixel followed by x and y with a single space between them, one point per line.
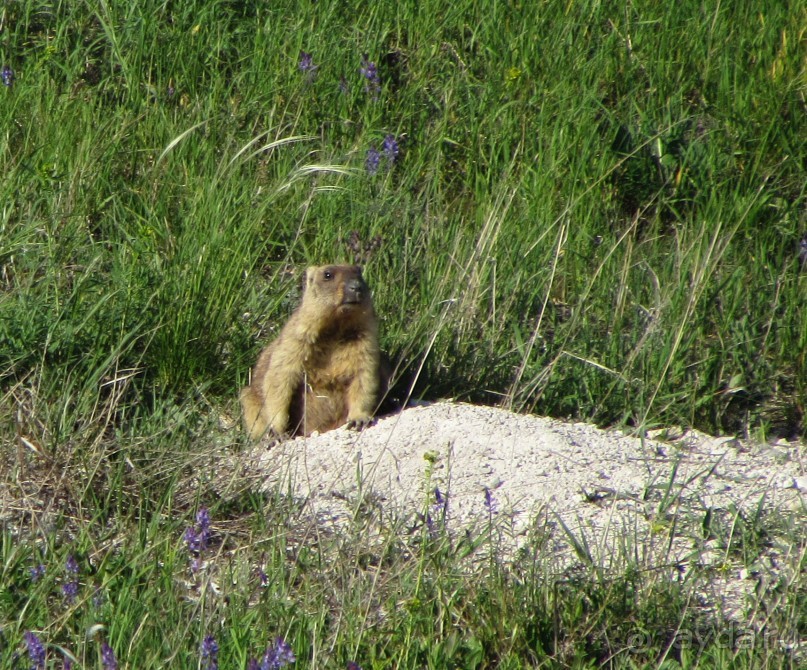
pixel 581 490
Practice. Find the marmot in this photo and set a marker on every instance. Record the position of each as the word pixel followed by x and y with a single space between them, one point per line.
pixel 324 369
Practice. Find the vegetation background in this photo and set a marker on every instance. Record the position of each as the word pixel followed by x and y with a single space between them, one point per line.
pixel 586 209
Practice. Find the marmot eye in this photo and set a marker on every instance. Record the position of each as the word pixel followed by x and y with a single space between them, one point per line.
pixel 328 275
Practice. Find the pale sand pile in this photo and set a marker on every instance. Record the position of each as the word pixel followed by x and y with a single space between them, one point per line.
pixel 623 496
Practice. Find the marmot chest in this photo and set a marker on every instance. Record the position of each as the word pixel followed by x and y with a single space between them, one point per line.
pixel 334 363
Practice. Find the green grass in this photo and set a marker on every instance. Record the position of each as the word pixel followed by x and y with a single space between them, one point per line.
pixel 596 213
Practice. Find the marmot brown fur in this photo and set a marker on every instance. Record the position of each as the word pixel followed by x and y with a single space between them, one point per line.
pixel 324 369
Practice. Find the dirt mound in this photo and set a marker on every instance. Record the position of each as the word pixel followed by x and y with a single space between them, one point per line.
pixel 594 496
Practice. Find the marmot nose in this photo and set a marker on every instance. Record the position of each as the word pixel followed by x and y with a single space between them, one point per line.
pixel 354 286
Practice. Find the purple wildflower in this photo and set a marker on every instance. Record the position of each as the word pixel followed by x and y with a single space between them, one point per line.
pixel 36 650
pixel 344 87
pixel 198 536
pixel 70 591
pixel 37 572
pixel 263 577
pixel 369 71
pixel 210 653
pixel 67 664
pixel 306 65
pixel 70 586
pixel 390 149
pixel 7 75
pixel 803 250
pixel 191 539
pixel 439 510
pixel 440 501
pixel 430 525
pixel 252 664
pixel 277 655
pixel 352 665
pixel 372 161
pixel 490 502
pixel 108 659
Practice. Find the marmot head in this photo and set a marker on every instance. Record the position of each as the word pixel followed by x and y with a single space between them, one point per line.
pixel 340 287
